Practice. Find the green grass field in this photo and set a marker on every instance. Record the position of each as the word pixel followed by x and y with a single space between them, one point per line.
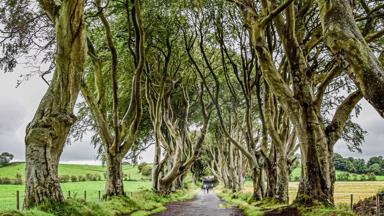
pixel 11 170
pixel 8 192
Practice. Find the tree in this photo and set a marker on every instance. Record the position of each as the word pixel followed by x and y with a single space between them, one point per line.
pixel 375 168
pixel 376 160
pixel 360 166
pixel 300 94
pixel 47 132
pixel 117 132
pixel 5 158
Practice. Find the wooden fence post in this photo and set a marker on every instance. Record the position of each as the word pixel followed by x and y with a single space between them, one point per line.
pixel 85 195
pixel 69 194
pixel 17 200
pixel 352 202
pixel 99 195
pixel 378 205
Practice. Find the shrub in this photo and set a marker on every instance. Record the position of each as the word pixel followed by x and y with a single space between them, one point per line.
pixel 97 177
pixel 343 177
pixel 363 178
pixel 64 178
pixel 354 177
pixel 82 178
pixel 371 177
pixel 140 167
pixel 146 170
pixel 74 178
pixel 89 177
pixel 18 180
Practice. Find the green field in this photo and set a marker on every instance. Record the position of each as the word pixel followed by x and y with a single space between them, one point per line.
pixel 11 170
pixel 296 172
pixel 92 188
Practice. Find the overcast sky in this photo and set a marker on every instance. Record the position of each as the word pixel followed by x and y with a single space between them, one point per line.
pixel 19 104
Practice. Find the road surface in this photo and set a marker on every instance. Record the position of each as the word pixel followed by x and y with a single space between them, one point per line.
pixel 202 205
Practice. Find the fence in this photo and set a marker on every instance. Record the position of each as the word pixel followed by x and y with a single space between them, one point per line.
pixel 14 200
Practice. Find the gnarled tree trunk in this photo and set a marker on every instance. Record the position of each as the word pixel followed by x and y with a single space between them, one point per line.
pixel 46 134
pixel 347 42
pixel 114 183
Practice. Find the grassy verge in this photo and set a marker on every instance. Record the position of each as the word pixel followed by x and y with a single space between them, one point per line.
pixel 244 201
pixel 8 192
pixel 140 203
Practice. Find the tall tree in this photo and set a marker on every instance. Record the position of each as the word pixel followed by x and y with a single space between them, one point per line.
pixel 46 134
pixel 300 96
pixel 117 131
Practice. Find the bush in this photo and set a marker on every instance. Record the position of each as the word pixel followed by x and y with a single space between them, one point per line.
pixel 354 177
pixel 74 178
pixel 82 178
pixel 18 180
pixel 64 178
pixel 343 177
pixel 146 170
pixel 371 177
pixel 97 177
pixel 89 177
pixel 363 178
pixel 140 167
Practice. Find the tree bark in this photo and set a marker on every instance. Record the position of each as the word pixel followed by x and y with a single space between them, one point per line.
pixel 114 185
pixel 46 134
pixel 315 184
pixel 345 40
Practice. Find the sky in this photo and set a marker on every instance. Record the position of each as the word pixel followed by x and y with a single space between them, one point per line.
pixel 19 104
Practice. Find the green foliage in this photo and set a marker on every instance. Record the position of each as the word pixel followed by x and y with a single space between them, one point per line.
pixel 5 158
pixel 146 170
pixel 74 178
pixel 13 181
pixel 357 165
pixel 64 178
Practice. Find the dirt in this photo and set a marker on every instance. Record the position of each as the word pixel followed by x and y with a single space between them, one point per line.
pixel 202 205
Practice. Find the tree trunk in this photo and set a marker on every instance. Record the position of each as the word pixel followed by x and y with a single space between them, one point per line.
pixel 315 185
pixel 282 176
pixel 114 185
pixel 256 194
pixel 46 134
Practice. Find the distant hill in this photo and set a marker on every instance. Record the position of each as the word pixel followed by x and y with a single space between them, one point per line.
pixel 11 169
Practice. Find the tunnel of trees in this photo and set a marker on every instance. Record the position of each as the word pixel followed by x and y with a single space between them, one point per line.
pixel 232 88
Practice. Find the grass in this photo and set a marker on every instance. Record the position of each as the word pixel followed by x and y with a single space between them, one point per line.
pixel 258 208
pixel 140 200
pixel 12 169
pixel 343 190
pixel 140 203
pixel 8 192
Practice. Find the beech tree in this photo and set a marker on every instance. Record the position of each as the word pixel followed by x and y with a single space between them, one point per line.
pixel 46 134
pixel 301 96
pixel 117 131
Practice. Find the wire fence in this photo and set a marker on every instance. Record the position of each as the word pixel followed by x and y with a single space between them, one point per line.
pixel 14 200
